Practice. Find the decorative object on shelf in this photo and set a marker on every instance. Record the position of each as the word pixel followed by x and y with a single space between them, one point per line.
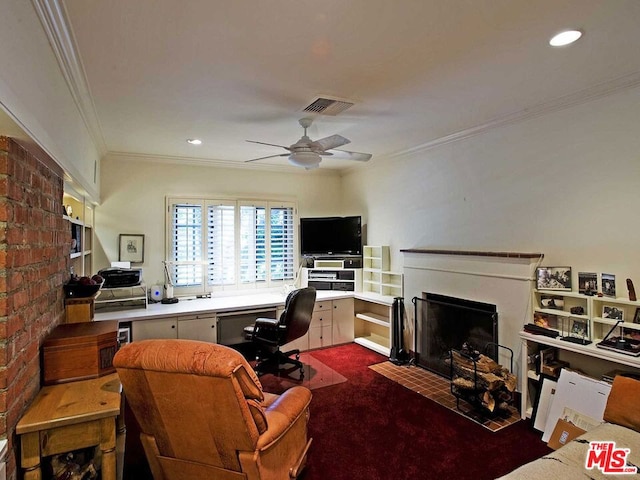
pixel 579 332
pixel 621 343
pixel 131 248
pixel 69 210
pixel 587 283
pixel 632 291
pixel 82 287
pixel 577 310
pixel 608 284
pixel 553 278
pixel 554 302
pixel 612 312
pixel 636 317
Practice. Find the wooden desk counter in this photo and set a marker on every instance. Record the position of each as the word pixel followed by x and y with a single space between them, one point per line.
pixel 71 416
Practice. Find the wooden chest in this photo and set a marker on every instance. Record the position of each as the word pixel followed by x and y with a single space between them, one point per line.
pixel 79 351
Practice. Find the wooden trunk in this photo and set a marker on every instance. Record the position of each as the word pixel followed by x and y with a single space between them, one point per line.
pixel 79 351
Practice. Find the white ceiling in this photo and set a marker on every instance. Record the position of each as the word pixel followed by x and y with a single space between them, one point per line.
pixel 420 71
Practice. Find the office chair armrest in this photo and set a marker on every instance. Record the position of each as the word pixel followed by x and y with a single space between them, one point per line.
pixel 283 413
pixel 266 322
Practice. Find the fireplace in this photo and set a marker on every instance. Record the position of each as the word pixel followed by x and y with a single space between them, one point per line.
pixel 445 322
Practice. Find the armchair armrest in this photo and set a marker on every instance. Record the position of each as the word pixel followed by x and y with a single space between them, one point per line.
pixel 283 413
pixel 266 322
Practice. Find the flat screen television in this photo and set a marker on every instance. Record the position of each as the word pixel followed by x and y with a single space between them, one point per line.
pixel 330 236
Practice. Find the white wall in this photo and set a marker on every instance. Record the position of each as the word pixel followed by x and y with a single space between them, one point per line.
pixel 133 199
pixel 564 184
pixel 34 93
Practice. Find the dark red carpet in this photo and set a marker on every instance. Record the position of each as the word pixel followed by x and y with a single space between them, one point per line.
pixel 372 428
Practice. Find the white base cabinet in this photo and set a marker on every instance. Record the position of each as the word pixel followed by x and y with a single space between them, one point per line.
pixel 157 328
pixel 198 327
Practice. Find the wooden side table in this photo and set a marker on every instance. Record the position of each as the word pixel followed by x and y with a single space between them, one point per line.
pixel 71 416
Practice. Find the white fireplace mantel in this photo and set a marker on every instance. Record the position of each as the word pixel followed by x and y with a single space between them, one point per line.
pixel 504 279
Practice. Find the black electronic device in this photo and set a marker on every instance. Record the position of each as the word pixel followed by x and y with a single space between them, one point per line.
pixel 331 236
pixel 120 277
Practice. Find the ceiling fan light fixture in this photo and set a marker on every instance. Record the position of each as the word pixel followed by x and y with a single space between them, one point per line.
pixel 565 38
pixel 307 160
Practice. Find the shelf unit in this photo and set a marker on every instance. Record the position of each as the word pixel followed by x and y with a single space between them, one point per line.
pixel 372 323
pixel 81 219
pixel 376 277
pixel 590 359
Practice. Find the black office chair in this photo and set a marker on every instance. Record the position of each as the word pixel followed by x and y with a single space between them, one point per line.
pixel 269 334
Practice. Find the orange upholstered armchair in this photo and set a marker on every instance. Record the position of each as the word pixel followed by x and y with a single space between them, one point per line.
pixel 203 414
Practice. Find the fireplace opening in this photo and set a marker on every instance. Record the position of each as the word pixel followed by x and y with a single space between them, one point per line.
pixel 444 322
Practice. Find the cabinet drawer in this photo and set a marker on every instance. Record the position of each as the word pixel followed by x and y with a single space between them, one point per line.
pixel 324 317
pixel 321 306
pixel 198 316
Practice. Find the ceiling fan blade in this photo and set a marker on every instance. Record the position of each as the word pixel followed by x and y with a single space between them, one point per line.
pixel 270 144
pixel 268 156
pixel 345 155
pixel 334 141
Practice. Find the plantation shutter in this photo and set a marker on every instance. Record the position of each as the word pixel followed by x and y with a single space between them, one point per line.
pixel 226 244
pixel 221 249
pixel 253 246
pixel 282 242
pixel 186 245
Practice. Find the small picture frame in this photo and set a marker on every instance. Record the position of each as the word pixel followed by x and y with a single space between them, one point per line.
pixel 580 328
pixel 636 317
pixel 587 283
pixel 612 312
pixel 554 302
pixel 609 285
pixel 131 248
pixel 553 278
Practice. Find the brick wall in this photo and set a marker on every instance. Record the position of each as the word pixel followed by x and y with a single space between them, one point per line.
pixel 34 263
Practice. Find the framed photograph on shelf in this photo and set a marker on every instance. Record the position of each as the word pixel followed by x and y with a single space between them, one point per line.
pixel 554 302
pixel 612 312
pixel 636 317
pixel 553 278
pixel 579 328
pixel 608 284
pixel 131 248
pixel 587 283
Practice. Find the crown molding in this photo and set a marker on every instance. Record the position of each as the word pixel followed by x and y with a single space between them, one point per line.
pixel 595 92
pixel 54 22
pixel 207 162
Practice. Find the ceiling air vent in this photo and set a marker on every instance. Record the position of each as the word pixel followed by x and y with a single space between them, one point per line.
pixel 327 106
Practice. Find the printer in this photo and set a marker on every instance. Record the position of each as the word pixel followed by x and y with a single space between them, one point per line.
pixel 120 277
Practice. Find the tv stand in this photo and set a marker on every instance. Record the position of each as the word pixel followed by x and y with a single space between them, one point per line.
pixel 336 278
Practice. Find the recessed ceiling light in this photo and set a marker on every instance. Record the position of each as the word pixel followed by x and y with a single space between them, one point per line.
pixel 565 38
pixel 194 141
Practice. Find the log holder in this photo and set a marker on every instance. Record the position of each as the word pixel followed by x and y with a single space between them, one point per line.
pixel 471 396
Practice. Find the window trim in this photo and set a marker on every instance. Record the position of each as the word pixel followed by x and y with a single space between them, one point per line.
pixel 204 201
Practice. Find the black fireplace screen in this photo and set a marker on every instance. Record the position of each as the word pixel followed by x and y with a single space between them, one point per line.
pixel 443 323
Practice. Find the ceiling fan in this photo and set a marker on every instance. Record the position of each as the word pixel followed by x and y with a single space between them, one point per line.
pixel 307 153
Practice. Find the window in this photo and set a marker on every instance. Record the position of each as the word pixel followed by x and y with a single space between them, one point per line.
pixel 230 244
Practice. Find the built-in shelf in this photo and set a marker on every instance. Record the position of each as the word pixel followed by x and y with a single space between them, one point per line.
pixel 373 318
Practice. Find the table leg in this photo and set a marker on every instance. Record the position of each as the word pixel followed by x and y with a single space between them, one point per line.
pixel 108 448
pixel 30 456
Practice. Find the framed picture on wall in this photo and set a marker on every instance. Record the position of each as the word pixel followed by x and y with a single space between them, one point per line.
pixel 131 248
pixel 553 278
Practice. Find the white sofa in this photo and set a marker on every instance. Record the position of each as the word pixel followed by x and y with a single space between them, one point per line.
pixel 622 426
